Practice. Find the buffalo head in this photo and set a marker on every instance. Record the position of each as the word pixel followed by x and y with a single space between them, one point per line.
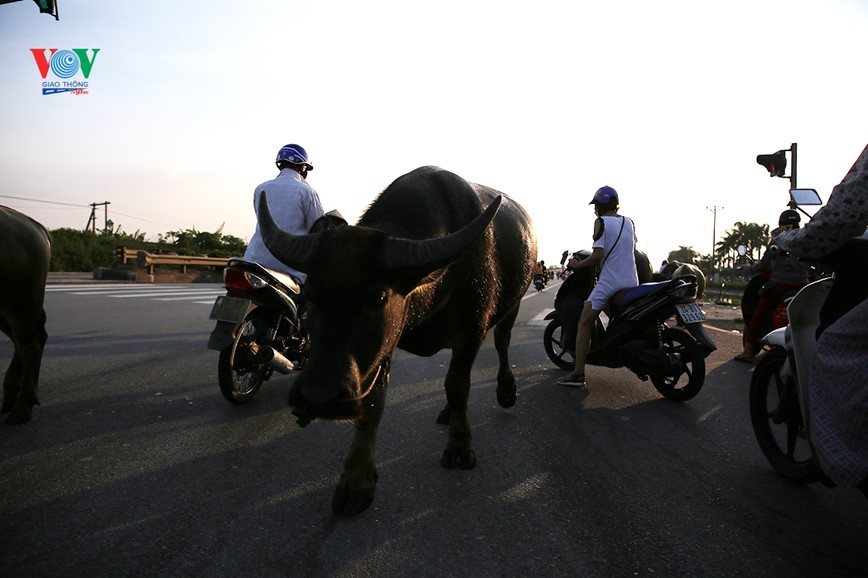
pixel 359 280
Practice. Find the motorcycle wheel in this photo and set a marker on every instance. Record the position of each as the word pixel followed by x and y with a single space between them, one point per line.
pixel 552 340
pixel 238 372
pixel 783 443
pixel 693 362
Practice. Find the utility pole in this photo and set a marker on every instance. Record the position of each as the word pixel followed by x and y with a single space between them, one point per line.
pixel 713 237
pixel 91 222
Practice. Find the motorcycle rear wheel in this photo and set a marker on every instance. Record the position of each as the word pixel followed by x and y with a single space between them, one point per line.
pixel 784 444
pixel 693 362
pixel 553 338
pixel 238 372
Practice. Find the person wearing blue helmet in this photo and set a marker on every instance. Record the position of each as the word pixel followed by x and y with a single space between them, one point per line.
pixel 614 251
pixel 294 205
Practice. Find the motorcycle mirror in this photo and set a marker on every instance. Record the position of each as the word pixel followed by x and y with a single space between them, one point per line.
pixel 742 250
pixel 805 197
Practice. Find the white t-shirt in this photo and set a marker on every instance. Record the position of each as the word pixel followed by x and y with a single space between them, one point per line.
pixel 295 206
pixel 618 269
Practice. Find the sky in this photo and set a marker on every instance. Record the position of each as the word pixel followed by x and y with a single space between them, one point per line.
pixel 669 102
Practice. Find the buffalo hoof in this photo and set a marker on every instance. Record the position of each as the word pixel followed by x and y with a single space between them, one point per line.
pixel 21 413
pixel 506 399
pixel 353 497
pixel 453 459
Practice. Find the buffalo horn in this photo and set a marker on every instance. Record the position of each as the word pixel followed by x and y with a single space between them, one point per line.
pixel 293 250
pixel 439 251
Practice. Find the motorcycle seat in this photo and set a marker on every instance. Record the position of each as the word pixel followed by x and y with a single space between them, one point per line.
pixel 627 296
pixel 286 280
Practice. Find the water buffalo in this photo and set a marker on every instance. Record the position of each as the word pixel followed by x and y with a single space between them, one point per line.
pixel 23 270
pixel 422 271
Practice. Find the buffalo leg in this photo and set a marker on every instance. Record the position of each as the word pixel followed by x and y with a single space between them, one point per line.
pixel 505 378
pixel 355 490
pixel 459 450
pixel 22 378
pixel 12 383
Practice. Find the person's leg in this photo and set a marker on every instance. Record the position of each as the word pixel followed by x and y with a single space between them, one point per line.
pixel 751 333
pixel 583 341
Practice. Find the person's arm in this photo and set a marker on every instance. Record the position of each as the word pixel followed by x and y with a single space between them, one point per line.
pixel 845 216
pixel 594 259
pixel 765 262
pixel 313 209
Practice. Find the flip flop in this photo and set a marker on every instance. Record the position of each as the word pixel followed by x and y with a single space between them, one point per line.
pixel 573 380
pixel 744 359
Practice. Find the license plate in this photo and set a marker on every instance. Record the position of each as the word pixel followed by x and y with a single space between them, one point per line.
pixel 690 313
pixel 232 309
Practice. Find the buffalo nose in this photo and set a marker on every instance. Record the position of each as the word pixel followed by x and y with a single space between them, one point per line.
pixel 317 393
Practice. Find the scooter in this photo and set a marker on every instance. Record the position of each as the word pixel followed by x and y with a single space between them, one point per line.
pixel 539 282
pixel 260 324
pixel 753 292
pixel 779 410
pixel 637 336
pixel 259 329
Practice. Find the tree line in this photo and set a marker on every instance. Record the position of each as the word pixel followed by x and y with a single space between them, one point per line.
pixel 75 250
pixel 754 236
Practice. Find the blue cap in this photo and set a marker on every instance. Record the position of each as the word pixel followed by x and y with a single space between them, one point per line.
pixel 604 195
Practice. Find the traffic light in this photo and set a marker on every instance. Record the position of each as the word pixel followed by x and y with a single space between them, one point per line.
pixel 47 7
pixel 775 164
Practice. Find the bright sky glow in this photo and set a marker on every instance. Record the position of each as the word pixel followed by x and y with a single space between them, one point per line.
pixel 669 102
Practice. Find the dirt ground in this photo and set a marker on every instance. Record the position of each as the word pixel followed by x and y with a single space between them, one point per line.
pixel 722 316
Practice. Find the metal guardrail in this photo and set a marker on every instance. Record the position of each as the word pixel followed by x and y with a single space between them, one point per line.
pixel 150 260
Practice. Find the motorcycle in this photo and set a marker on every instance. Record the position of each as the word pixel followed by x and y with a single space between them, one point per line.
pixel 753 292
pixel 259 329
pixel 779 411
pixel 260 324
pixel 539 282
pixel 637 336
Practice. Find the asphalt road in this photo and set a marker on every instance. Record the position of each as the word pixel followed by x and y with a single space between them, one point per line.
pixel 135 465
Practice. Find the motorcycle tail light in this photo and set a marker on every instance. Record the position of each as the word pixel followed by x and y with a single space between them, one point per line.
pixel 241 280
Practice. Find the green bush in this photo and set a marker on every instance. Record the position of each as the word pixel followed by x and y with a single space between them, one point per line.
pixel 74 250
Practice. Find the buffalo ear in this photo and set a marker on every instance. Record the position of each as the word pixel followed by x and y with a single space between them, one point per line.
pixel 428 255
pixel 295 251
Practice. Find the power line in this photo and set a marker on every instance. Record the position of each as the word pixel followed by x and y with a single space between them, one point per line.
pixel 41 201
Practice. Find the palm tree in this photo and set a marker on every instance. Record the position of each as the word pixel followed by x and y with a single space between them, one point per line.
pixel 753 236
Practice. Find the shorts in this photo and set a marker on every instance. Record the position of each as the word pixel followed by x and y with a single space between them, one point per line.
pixel 601 295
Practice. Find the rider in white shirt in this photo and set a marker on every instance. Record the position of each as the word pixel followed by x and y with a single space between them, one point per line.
pixel 614 251
pixel 293 203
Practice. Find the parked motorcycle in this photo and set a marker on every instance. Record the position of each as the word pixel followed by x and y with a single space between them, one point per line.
pixel 259 329
pixel 637 336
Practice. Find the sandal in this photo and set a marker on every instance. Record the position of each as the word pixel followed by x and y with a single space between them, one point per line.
pixel 573 380
pixel 744 359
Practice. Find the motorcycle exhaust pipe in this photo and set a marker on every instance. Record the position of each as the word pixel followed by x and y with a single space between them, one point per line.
pixel 274 360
